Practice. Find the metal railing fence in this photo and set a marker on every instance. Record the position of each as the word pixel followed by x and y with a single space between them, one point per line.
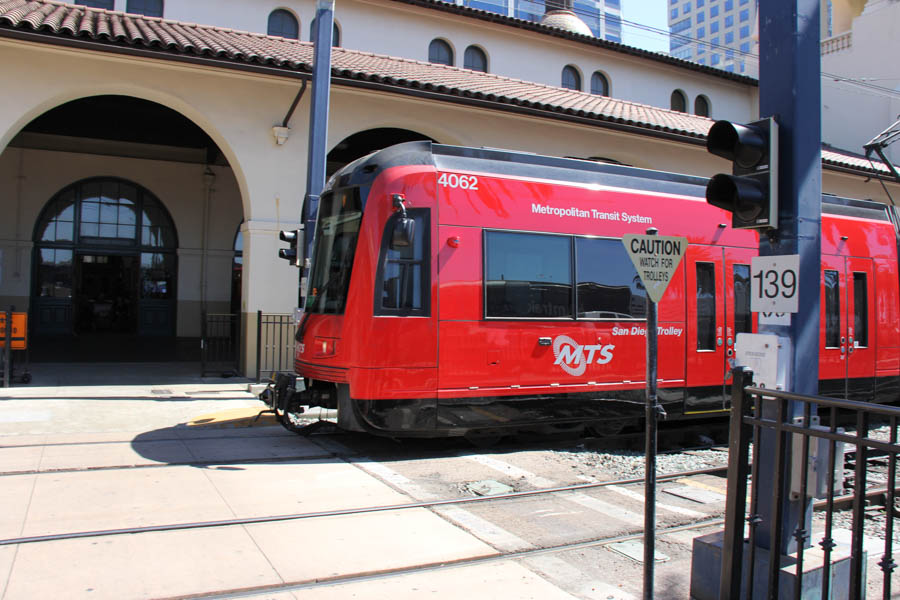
pixel 274 344
pixel 747 422
pixel 220 343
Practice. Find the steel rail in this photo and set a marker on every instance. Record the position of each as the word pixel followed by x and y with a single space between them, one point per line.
pixel 338 512
pixel 184 463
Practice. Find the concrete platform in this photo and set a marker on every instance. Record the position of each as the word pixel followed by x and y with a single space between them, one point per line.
pixel 87 458
pixel 125 380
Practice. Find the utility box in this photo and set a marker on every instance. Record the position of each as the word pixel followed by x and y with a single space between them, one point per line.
pixel 768 356
pixel 816 462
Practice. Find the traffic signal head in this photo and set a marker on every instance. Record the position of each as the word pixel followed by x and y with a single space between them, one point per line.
pixel 294 238
pixel 750 193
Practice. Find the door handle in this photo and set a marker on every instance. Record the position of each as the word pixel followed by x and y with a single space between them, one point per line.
pixel 544 341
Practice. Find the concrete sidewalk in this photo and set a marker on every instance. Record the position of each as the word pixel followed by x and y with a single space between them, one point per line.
pixel 124 380
pixel 78 457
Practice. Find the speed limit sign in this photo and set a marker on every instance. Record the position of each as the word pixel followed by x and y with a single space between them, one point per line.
pixel 774 283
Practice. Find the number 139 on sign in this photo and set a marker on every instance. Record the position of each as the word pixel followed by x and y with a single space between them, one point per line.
pixel 773 283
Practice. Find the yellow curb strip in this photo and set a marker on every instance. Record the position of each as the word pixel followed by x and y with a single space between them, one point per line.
pixel 234 417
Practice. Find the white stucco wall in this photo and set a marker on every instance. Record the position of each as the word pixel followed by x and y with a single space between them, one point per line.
pixel 511 52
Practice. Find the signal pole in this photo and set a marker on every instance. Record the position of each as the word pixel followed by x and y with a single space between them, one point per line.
pixel 318 130
pixel 776 187
pixel 790 89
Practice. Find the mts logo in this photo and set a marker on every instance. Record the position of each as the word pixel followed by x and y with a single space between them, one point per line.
pixel 574 358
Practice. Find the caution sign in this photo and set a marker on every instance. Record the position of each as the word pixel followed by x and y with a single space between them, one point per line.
pixel 655 257
pixel 18 335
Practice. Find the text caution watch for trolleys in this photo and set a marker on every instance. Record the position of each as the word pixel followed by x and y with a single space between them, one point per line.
pixel 655 257
pixel 773 284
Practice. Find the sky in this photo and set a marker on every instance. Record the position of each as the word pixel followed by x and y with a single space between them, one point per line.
pixel 653 13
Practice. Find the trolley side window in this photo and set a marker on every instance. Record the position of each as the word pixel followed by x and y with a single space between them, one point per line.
pixel 706 306
pixel 608 284
pixel 403 283
pixel 743 322
pixel 832 309
pixel 860 311
pixel 528 275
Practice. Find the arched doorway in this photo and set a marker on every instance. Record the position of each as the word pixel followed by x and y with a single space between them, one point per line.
pixel 104 262
pixel 103 182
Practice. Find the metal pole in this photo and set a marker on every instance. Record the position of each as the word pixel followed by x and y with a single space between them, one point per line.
pixel 650 411
pixel 318 127
pixel 790 89
pixel 258 342
pixel 204 342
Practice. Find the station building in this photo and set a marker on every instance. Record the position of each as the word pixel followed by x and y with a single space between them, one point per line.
pixel 148 163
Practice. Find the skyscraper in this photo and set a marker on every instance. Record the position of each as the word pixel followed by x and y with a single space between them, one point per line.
pixel 718 33
pixel 603 17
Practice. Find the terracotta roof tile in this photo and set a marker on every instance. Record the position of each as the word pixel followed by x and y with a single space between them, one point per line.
pixel 49 21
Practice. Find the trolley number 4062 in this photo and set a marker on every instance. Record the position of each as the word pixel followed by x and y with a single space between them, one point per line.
pixel 452 180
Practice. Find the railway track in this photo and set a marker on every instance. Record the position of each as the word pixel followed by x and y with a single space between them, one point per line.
pixel 407 467
pixel 344 512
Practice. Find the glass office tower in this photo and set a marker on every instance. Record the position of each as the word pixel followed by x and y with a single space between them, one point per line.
pixel 718 33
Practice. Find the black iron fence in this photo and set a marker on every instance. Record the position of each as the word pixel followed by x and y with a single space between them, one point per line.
pixel 274 345
pixel 220 344
pixel 872 458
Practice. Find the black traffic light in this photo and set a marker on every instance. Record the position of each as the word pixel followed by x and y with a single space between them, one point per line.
pixel 294 237
pixel 750 193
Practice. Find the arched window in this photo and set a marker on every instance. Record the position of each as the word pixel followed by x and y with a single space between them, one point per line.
pixel 148 8
pixel 475 59
pixel 440 52
pixel 105 260
pixel 679 101
pixel 106 212
pixel 599 84
pixel 701 106
pixel 335 34
pixel 571 78
pixel 283 24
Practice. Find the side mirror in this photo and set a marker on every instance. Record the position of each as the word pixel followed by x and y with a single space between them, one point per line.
pixel 404 233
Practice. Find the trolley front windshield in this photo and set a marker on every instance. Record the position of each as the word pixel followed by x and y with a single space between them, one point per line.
pixel 337 230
